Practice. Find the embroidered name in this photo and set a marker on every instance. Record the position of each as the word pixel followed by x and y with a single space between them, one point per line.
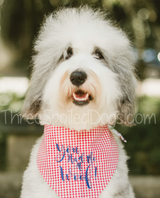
pixel 80 166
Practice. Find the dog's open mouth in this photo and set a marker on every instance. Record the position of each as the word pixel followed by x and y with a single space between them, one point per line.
pixel 81 98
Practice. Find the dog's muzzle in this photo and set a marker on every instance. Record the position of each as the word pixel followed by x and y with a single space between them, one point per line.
pixel 80 97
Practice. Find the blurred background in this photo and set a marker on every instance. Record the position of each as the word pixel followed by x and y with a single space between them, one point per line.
pixel 19 23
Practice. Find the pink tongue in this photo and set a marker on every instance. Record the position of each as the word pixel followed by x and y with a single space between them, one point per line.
pixel 81 95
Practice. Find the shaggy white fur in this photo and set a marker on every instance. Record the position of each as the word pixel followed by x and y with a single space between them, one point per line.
pixel 58 97
pixel 80 40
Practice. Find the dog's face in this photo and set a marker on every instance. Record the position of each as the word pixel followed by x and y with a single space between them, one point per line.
pixel 83 73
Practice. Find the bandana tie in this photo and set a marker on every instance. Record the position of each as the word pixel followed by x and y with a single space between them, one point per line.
pixel 77 164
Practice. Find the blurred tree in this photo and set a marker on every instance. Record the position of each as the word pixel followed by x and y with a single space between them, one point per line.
pixel 21 20
pixel 143 138
pixel 20 23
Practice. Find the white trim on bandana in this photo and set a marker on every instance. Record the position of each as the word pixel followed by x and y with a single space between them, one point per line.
pixel 117 133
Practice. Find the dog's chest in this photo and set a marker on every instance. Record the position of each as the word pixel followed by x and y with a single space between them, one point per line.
pixel 77 163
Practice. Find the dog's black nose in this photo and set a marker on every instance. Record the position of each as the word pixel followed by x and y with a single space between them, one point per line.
pixel 78 77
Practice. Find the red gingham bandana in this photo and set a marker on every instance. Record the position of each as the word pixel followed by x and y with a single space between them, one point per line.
pixel 77 164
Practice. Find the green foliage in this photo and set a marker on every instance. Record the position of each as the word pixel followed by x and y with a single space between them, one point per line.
pixel 21 20
pixel 2 151
pixel 11 101
pixel 143 139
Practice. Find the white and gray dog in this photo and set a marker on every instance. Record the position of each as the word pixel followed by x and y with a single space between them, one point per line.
pixel 83 77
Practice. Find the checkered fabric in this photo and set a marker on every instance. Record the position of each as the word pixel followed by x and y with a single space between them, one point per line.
pixel 77 164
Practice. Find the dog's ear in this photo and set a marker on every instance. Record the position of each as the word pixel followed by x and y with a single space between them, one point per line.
pixel 32 103
pixel 35 107
pixel 32 109
pixel 126 111
pixel 33 100
pixel 126 104
pixel 44 62
pixel 122 62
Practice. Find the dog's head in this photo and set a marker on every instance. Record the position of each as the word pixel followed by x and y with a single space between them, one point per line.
pixel 83 74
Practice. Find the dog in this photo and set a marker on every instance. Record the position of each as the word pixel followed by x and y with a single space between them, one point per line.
pixel 83 81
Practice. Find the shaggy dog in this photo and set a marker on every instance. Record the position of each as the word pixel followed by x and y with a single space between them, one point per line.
pixel 83 78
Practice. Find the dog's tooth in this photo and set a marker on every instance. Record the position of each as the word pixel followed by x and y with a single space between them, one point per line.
pixel 86 96
pixel 74 96
pixel 80 99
